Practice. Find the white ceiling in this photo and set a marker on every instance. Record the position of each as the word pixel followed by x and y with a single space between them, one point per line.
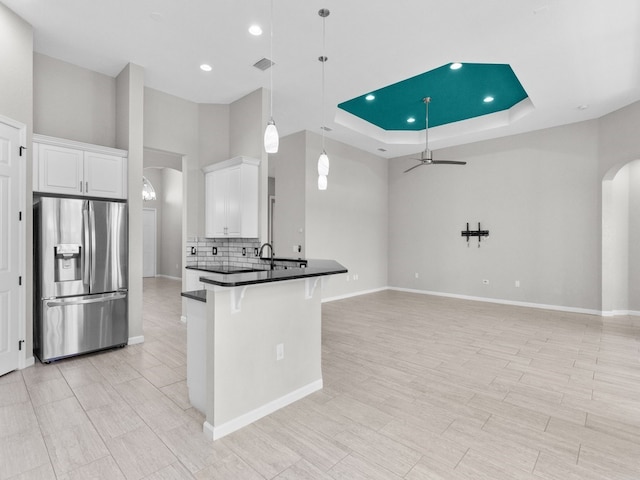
pixel 566 53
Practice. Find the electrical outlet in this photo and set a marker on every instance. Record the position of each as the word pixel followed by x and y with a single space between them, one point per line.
pixel 255 252
pixel 517 283
pixel 355 276
pixel 244 252
pixel 295 248
pixel 280 351
pixel 193 250
pixel 348 277
pixel 485 282
pixel 417 275
pixel 214 250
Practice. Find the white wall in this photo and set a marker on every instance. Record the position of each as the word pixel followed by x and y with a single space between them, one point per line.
pixel 536 193
pixel 16 102
pixel 348 222
pixel 73 102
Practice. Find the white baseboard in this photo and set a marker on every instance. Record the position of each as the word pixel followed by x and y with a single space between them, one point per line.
pixel 354 294
pixel 135 340
pixel 28 362
pixel 620 313
pixel 542 306
pixel 170 277
pixel 243 420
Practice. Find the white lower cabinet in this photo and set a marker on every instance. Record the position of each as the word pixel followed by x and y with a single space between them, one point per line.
pixel 73 168
pixel 231 192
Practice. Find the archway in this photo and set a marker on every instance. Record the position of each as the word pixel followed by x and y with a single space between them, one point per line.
pixel 621 240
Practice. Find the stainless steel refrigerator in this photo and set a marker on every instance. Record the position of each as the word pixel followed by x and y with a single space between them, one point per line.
pixel 80 271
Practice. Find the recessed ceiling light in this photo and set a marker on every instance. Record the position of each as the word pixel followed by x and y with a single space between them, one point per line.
pixel 255 30
pixel 205 67
pixel 455 66
pixel 411 120
pixel 488 99
pixel 156 16
pixel 370 97
pixel 583 107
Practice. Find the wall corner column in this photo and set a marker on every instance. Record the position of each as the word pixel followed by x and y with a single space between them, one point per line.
pixel 129 136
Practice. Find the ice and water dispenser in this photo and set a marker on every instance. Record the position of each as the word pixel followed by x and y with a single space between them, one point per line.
pixel 68 262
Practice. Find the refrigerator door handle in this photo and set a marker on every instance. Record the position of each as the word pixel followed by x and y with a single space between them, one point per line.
pixel 86 259
pixel 92 244
pixel 73 301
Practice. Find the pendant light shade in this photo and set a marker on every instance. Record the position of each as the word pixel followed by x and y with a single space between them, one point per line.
pixel 322 182
pixel 271 139
pixel 323 164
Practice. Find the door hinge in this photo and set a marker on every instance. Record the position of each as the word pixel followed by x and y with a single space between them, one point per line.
pixel 22 149
pixel 20 342
pixel 20 280
pixel 19 216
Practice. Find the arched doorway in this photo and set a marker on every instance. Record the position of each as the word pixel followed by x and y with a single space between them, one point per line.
pixel 621 240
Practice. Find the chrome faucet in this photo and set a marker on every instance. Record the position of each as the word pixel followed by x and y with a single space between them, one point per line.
pixel 271 263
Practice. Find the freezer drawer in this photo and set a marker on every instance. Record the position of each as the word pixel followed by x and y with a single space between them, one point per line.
pixel 74 325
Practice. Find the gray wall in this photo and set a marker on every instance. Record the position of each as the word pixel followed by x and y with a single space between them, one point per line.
pixel 349 221
pixel 634 237
pixel 129 136
pixel 172 251
pixel 537 193
pixel 73 102
pixel 16 102
pixel 288 167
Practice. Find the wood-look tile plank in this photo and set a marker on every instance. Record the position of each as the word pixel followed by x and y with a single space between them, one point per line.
pixel 139 453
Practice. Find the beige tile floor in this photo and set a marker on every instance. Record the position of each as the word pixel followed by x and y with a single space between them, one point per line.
pixel 416 387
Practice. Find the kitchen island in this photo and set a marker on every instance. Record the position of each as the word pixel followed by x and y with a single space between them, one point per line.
pixel 254 342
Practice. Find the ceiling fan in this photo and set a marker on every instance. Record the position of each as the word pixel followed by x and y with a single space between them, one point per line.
pixel 426 157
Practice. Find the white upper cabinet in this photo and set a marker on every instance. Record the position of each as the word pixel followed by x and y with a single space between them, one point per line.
pixel 231 190
pixel 74 168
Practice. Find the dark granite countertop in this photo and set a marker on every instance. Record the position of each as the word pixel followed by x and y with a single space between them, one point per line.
pixel 199 295
pixel 314 268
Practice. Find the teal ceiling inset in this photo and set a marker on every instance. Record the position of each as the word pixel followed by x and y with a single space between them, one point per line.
pixel 456 94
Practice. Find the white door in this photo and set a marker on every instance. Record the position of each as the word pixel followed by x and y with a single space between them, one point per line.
pixel 9 246
pixel 149 242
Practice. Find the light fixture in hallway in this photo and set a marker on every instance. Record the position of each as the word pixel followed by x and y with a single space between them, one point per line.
pixel 271 139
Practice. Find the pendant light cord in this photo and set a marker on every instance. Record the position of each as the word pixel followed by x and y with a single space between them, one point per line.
pixel 272 64
pixel 324 59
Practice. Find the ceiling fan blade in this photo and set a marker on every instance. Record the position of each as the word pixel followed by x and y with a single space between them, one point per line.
pixel 448 162
pixel 415 166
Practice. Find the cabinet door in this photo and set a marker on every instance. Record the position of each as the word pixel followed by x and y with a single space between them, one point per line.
pixel 104 175
pixel 60 170
pixel 215 208
pixel 234 202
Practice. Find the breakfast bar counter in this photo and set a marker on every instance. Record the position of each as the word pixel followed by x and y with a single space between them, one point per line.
pixel 254 345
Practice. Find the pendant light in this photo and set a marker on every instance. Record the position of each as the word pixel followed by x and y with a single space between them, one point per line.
pixel 148 192
pixel 323 160
pixel 271 139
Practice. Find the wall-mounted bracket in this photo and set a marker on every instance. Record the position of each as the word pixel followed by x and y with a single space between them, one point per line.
pixel 237 294
pixel 474 233
pixel 310 285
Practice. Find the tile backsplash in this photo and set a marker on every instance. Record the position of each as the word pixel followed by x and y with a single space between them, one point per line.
pixel 228 253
